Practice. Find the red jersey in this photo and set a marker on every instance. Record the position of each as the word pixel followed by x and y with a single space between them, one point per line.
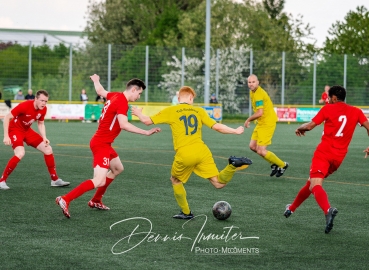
pixel 109 127
pixel 25 114
pixel 340 122
pixel 325 98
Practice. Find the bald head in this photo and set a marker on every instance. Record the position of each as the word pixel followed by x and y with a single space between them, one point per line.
pixel 253 82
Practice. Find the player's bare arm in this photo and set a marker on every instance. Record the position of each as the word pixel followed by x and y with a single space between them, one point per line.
pixel 253 117
pixel 366 151
pixel 42 130
pixel 6 119
pixel 300 131
pixel 98 87
pixel 366 125
pixel 227 130
pixel 143 118
pixel 125 125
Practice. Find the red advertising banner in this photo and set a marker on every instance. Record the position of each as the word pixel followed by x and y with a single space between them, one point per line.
pixel 286 114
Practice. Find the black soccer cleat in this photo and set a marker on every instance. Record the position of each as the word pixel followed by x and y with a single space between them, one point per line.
pixel 182 215
pixel 239 162
pixel 287 212
pixel 332 212
pixel 281 171
pixel 274 169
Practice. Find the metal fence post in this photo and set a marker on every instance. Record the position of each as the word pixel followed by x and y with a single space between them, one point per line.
pixel 314 81
pixel 217 76
pixel 109 67
pixel 147 74
pixel 207 52
pixel 251 72
pixel 345 71
pixel 70 71
pixel 30 65
pixel 183 66
pixel 283 74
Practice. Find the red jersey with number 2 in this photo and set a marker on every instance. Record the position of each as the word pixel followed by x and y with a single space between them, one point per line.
pixel 109 127
pixel 340 120
pixel 25 114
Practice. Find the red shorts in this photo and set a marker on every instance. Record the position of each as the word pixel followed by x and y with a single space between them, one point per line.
pixel 30 137
pixel 324 164
pixel 102 154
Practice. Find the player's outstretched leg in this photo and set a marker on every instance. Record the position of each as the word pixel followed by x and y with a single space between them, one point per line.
pixel 96 201
pixel 234 164
pixel 63 201
pixel 181 198
pixel 10 167
pixel 51 167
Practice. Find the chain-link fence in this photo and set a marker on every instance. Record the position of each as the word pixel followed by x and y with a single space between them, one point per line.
pixel 289 78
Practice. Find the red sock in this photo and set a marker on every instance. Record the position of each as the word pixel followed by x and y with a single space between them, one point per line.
pixel 303 194
pixel 321 198
pixel 12 163
pixel 101 190
pixel 79 190
pixel 50 163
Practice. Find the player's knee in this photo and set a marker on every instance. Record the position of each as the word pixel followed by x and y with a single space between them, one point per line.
pixel 99 182
pixel 174 180
pixel 48 151
pixel 118 170
pixel 20 155
pixel 252 148
pixel 218 185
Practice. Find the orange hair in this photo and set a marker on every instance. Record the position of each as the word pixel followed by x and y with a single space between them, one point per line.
pixel 186 90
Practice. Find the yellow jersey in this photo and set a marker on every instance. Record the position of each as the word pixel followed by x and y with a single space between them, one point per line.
pixel 186 122
pixel 261 100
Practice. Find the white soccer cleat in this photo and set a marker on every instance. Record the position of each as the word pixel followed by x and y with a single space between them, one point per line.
pixel 3 185
pixel 59 183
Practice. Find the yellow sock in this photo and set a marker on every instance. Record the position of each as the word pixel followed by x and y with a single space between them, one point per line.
pixel 180 195
pixel 273 159
pixel 226 174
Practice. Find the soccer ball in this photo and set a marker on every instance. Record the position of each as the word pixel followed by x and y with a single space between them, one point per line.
pixel 222 210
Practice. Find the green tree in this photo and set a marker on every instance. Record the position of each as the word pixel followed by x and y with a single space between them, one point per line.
pixel 14 62
pixel 350 36
pixel 132 22
pixel 274 8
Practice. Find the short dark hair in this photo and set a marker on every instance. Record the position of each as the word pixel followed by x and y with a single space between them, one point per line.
pixel 42 92
pixel 136 82
pixel 338 91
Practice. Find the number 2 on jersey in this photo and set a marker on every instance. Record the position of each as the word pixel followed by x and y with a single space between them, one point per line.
pixel 190 122
pixel 342 119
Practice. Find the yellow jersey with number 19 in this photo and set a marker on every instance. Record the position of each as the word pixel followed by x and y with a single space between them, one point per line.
pixel 186 122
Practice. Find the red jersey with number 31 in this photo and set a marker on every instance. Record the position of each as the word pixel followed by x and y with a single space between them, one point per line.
pixel 109 127
pixel 25 114
pixel 340 122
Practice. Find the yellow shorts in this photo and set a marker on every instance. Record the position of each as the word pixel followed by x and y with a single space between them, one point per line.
pixel 263 134
pixel 195 158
